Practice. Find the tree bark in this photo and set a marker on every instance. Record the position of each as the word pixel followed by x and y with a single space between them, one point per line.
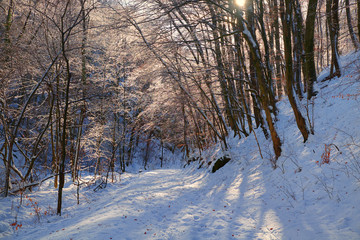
pixel 221 75
pixel 277 51
pixel 354 39
pixel 332 17
pixel 264 89
pixel 83 88
pixel 8 22
pixel 310 70
pixel 286 19
pixel 147 150
pixel 65 114
pixel 268 73
pixel 298 39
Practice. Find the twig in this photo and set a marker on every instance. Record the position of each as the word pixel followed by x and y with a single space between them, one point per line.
pixel 34 184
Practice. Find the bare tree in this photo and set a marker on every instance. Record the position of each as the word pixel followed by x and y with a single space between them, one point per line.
pixel 310 71
pixel 332 16
pixel 354 39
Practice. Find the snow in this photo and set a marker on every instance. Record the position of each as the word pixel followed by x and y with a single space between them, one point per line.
pixel 246 199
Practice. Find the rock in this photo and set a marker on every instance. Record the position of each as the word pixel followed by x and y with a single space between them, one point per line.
pixel 219 163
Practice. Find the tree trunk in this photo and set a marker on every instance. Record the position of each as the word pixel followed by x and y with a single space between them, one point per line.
pixel 332 17
pixel 286 19
pixel 8 168
pixel 65 114
pixel 147 150
pixel 131 143
pixel 57 133
pixel 83 88
pixel 186 145
pixel 277 51
pixel 298 39
pixel 268 73
pixel 354 39
pixel 221 75
pixel 8 22
pixel 310 71
pixel 63 141
pixel 264 90
pixel 240 83
pixel 320 52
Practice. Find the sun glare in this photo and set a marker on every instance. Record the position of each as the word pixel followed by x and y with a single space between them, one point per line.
pixel 240 3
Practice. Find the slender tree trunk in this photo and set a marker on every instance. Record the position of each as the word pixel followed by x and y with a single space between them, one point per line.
pixel 147 150
pixel 332 17
pixel 8 22
pixel 277 50
pixel 64 140
pixel 131 143
pixel 310 71
pixel 65 114
pixel 320 50
pixel 264 90
pixel 57 133
pixel 123 137
pixel 268 73
pixel 162 152
pixel 53 153
pixel 8 168
pixel 354 39
pixel 113 145
pixel 221 74
pixel 240 82
pixel 184 133
pixel 83 87
pixel 98 165
pixel 286 19
pixel 9 145
pixel 328 58
pixel 298 39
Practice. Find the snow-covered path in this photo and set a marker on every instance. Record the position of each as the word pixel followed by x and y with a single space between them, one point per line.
pixel 233 203
pixel 161 204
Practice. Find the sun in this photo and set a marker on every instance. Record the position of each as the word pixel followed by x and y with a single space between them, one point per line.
pixel 240 3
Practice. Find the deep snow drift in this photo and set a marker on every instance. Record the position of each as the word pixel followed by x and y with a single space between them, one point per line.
pixel 246 199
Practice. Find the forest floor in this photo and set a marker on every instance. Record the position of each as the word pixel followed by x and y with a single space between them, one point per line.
pixel 303 198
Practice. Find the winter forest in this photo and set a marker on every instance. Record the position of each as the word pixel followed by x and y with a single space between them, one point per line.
pixel 177 108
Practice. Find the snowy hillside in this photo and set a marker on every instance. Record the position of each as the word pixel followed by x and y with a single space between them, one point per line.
pixel 303 198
